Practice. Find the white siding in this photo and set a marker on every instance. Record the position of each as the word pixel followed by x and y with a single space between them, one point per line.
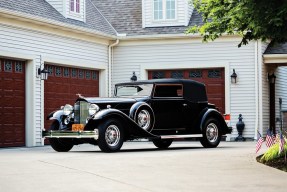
pixel 281 90
pixel 38 109
pixel 57 4
pixel 188 54
pixel 182 11
pixel 264 94
pixel 81 53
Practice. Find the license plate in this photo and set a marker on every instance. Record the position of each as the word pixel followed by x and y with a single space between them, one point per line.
pixel 78 127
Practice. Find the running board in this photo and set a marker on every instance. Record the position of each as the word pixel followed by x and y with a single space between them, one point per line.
pixel 180 136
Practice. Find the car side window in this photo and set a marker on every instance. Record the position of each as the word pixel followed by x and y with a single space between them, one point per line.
pixel 168 91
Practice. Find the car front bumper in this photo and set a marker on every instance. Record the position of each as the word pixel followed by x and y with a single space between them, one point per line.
pixel 71 134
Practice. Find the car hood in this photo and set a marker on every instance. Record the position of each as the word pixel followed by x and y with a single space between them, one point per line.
pixel 107 100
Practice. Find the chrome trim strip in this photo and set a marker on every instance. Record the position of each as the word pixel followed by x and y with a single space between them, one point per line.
pixel 71 134
pixel 180 136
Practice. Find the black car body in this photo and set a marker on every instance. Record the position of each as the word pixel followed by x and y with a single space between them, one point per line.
pixel 159 110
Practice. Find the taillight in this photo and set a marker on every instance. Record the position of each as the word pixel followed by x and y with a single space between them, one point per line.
pixel 227 118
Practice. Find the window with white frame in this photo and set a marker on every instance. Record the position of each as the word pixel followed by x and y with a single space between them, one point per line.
pixel 164 9
pixel 75 6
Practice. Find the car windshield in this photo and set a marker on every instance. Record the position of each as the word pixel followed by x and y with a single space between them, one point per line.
pixel 133 90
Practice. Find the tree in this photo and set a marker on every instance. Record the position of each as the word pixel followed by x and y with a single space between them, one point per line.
pixel 251 19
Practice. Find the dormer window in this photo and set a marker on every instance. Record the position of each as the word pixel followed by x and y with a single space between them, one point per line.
pixel 164 9
pixel 75 6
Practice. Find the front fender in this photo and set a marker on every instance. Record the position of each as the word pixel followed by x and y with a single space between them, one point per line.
pixel 135 107
pixel 215 114
pixel 55 115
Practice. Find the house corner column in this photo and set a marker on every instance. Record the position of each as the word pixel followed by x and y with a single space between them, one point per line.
pixel 30 125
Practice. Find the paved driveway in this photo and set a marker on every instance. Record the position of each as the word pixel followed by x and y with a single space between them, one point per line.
pixel 186 166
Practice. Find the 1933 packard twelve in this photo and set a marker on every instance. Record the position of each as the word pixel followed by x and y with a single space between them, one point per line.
pixel 159 110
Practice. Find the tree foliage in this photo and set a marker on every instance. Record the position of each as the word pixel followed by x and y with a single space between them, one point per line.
pixel 251 19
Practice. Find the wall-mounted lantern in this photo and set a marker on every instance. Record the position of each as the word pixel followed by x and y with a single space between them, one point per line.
pixel 134 77
pixel 271 78
pixel 43 73
pixel 233 77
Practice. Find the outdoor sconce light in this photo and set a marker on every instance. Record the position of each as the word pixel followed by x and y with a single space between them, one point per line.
pixel 233 77
pixel 43 73
pixel 271 78
pixel 134 77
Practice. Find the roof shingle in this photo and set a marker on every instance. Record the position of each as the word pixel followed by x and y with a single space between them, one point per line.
pixel 107 16
pixel 277 49
pixel 41 8
pixel 126 17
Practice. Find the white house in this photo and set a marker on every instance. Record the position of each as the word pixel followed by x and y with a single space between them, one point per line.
pixel 90 45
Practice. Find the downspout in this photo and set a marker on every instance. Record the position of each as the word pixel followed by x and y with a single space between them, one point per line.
pixel 256 91
pixel 110 67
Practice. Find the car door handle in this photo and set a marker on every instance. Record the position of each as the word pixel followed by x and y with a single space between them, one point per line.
pixel 184 104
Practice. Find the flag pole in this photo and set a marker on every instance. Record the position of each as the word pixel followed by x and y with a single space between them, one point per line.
pixel 280 113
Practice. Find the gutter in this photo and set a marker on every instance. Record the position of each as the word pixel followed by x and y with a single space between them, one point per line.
pixel 52 23
pixel 256 91
pixel 275 58
pixel 170 36
pixel 110 67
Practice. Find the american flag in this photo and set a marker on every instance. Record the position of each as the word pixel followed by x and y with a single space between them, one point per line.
pixel 269 140
pixel 281 143
pixel 259 143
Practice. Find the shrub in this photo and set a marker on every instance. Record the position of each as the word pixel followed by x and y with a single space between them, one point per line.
pixel 273 153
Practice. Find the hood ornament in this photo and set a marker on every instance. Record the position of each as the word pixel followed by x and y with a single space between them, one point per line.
pixel 79 95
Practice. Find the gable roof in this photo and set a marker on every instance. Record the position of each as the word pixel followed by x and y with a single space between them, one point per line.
pixel 126 17
pixel 41 8
pixel 276 49
pixel 108 17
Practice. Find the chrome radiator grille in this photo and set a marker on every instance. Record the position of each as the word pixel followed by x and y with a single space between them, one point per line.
pixel 81 112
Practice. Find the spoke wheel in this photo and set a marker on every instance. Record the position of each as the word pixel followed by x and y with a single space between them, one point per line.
pixel 210 133
pixel 111 135
pixel 143 119
pixel 60 145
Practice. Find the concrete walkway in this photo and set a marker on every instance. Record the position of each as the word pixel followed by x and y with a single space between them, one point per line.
pixel 186 166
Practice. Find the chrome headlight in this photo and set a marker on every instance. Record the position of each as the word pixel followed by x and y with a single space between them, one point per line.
pixel 93 109
pixel 68 109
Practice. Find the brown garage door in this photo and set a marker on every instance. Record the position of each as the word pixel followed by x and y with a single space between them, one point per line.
pixel 64 83
pixel 12 103
pixel 212 78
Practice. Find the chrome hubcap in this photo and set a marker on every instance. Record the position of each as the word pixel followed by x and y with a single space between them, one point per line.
pixel 212 132
pixel 112 135
pixel 144 119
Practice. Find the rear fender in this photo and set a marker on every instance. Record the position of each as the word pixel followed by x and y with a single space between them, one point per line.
pixel 130 126
pixel 214 114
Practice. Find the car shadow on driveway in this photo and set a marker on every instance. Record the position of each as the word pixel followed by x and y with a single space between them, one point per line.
pixel 153 149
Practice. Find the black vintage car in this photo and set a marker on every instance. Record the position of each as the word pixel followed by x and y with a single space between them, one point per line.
pixel 158 110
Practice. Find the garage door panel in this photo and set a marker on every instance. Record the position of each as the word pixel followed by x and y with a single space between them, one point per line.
pixel 61 90
pixel 12 101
